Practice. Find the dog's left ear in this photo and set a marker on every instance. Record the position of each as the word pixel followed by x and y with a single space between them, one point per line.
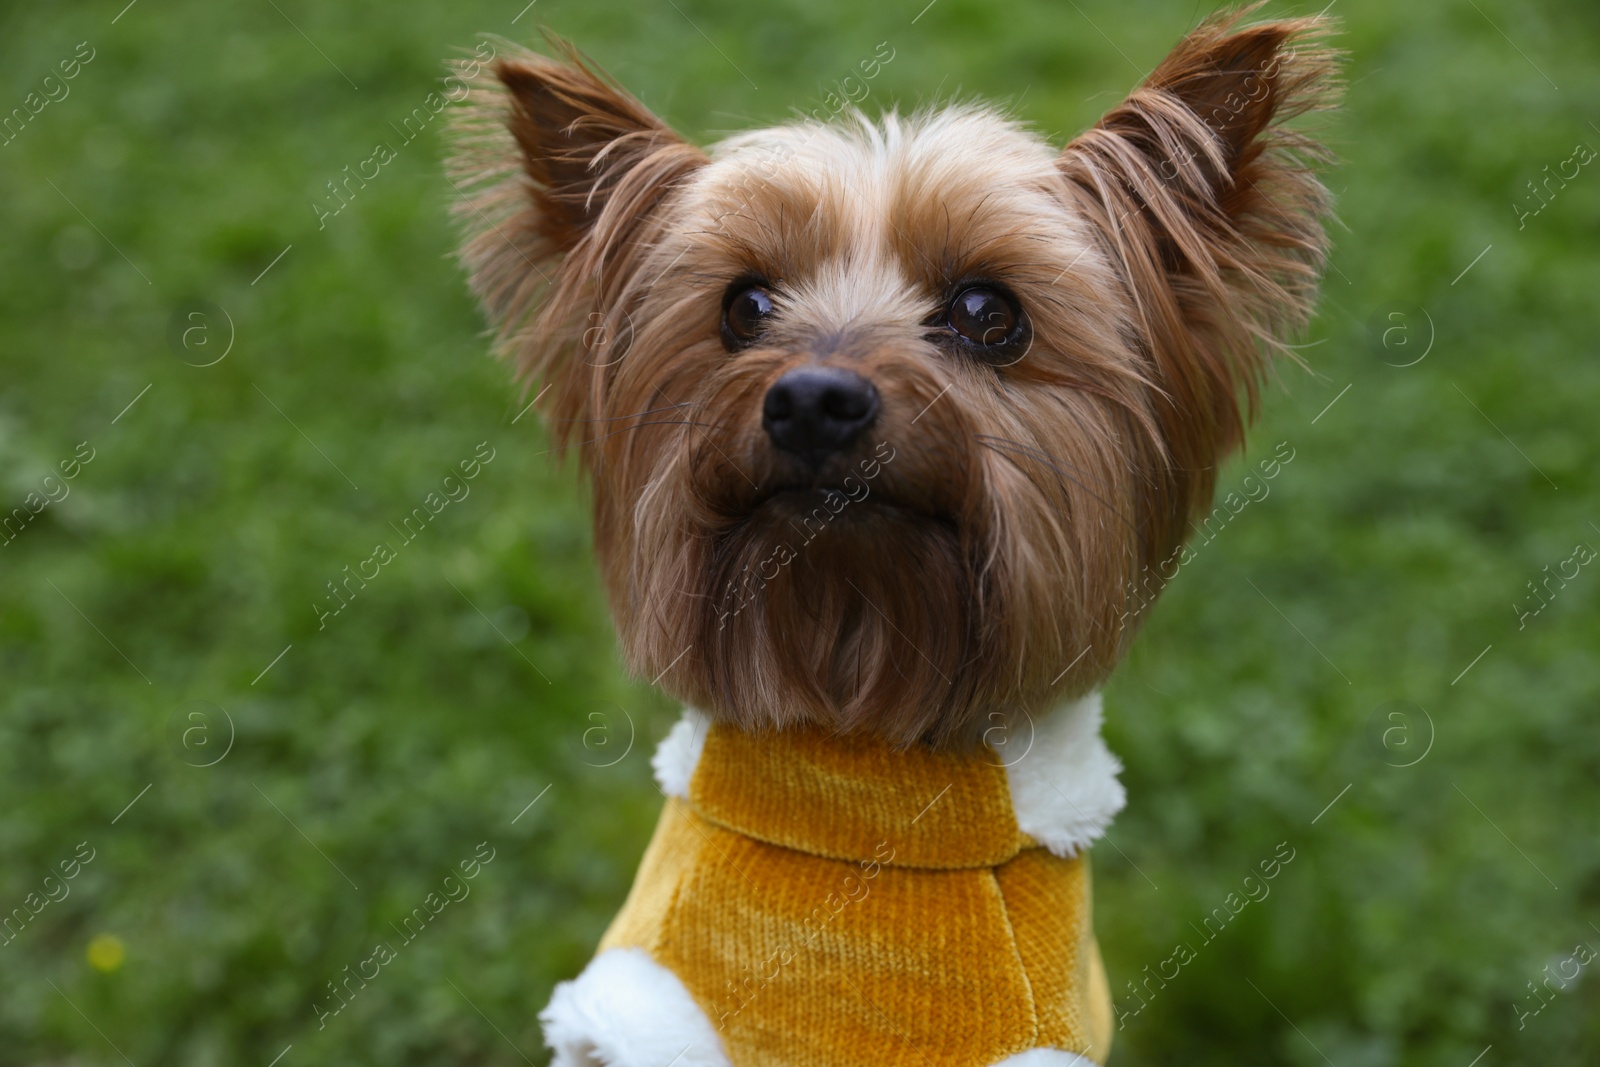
pixel 560 173
pixel 1210 208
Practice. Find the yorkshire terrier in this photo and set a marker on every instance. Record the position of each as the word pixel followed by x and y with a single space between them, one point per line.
pixel 893 427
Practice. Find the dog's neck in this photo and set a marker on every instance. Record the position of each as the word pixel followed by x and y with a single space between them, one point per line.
pixel 1052 782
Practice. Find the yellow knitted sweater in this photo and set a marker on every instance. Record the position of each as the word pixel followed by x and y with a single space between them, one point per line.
pixel 832 902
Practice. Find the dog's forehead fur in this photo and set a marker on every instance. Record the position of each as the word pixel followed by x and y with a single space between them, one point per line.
pixel 866 220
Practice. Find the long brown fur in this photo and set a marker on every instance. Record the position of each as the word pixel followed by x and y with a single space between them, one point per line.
pixel 976 550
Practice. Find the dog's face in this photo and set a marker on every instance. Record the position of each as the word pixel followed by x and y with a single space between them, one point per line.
pixel 891 423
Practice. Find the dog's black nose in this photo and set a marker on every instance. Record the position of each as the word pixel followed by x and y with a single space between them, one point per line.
pixel 813 412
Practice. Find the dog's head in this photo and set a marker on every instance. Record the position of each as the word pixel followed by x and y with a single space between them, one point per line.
pixel 886 421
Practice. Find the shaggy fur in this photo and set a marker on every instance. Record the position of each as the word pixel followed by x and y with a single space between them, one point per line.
pixel 976 551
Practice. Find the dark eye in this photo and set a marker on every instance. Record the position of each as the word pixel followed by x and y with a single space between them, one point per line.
pixel 744 312
pixel 984 316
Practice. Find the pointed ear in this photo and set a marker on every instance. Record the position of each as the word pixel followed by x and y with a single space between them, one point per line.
pixel 1209 206
pixel 561 173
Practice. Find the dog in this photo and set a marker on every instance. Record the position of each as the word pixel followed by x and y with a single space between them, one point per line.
pixel 894 427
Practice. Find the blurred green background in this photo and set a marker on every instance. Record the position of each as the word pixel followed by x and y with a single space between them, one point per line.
pixel 161 614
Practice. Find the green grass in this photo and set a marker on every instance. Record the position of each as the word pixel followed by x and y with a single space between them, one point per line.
pixel 379 751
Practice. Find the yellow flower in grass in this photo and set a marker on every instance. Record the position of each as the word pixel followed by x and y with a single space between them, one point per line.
pixel 105 953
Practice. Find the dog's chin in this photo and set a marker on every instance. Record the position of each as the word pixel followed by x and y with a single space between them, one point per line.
pixel 856 613
pixel 822 506
pixel 826 536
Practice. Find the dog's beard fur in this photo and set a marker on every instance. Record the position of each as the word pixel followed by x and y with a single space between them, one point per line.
pixel 985 546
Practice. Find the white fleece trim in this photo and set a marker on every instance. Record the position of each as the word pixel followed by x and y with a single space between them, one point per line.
pixel 1064 789
pixel 1046 1057
pixel 679 753
pixel 626 1010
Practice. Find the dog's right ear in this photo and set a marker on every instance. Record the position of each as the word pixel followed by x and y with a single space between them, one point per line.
pixel 1207 199
pixel 560 173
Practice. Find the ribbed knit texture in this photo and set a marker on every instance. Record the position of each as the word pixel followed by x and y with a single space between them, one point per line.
pixel 833 902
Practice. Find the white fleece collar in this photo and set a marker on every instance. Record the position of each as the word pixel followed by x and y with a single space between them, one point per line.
pixel 1064 787
pixel 679 753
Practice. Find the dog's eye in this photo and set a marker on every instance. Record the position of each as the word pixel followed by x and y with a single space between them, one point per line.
pixel 743 315
pixel 984 316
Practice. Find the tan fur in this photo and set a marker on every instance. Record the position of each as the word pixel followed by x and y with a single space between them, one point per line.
pixel 1161 258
